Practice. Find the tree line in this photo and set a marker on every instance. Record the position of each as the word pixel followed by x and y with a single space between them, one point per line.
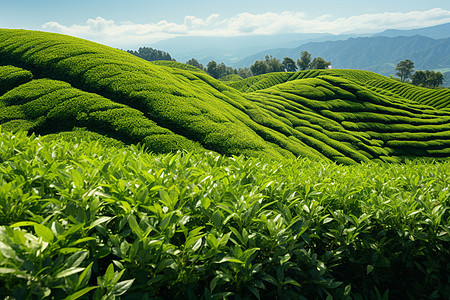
pixel 272 64
pixel 268 65
pixel 430 79
pixel 405 68
pixel 151 54
pixel 219 70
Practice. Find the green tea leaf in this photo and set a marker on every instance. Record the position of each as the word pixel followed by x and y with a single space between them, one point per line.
pixel 230 259
pixel 68 272
pixel 7 270
pixel 99 221
pixel 24 223
pixel 121 287
pixel 82 240
pixel 44 232
pixel 84 276
pixel 69 250
pixel 109 274
pixel 205 203
pixel 80 293
pixel 77 178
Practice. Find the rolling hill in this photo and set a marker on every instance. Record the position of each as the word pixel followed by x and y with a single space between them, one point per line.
pixel 58 85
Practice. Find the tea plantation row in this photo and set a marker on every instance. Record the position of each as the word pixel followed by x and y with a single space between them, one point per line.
pixel 91 220
pixel 55 84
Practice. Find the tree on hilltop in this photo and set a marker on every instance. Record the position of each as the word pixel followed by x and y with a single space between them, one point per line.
pixel 244 72
pixel 319 63
pixel 427 78
pixel 404 69
pixel 259 67
pixel 151 54
pixel 212 69
pixel 274 64
pixel 438 79
pixel 219 70
pixel 289 64
pixel 304 61
pixel 195 63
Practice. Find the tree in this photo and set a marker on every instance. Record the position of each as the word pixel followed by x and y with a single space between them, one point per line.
pixel 244 72
pixel 319 63
pixel 289 64
pixel 212 69
pixel 304 61
pixel 221 70
pixel 273 64
pixel 259 67
pixel 151 54
pixel 404 69
pixel 195 63
pixel 427 78
pixel 437 79
pixel 419 78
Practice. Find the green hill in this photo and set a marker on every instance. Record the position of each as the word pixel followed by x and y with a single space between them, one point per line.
pixel 52 84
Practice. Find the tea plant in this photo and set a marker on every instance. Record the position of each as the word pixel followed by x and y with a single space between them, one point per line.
pixel 82 220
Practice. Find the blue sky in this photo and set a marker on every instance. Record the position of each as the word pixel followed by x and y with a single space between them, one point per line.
pixel 123 23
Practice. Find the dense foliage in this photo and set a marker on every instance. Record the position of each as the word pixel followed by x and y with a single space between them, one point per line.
pixel 427 78
pixel 404 69
pixel 304 60
pixel 84 220
pixel 151 54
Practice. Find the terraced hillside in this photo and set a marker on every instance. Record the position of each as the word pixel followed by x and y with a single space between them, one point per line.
pixel 438 98
pixel 52 84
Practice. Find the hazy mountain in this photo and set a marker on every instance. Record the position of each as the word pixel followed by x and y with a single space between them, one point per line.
pixel 231 50
pixel 378 54
pixel 436 32
pixel 428 48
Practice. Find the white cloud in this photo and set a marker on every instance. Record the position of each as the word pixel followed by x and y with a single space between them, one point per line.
pixel 128 33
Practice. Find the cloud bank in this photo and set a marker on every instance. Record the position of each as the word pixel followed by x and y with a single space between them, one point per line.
pixel 127 33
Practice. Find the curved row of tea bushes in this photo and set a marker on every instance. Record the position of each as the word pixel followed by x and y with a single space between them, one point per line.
pixel 49 106
pixel 231 78
pixel 328 113
pixel 178 65
pixel 259 82
pixel 439 98
pixel 11 77
pixel 168 106
pixel 187 103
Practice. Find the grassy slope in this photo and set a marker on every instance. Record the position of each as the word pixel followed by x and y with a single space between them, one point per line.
pixel 53 83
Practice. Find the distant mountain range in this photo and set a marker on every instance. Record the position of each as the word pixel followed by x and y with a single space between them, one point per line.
pixel 428 48
pixel 435 32
pixel 231 50
pixel 378 54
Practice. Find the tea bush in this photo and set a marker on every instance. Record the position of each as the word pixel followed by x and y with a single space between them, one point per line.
pixel 82 219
